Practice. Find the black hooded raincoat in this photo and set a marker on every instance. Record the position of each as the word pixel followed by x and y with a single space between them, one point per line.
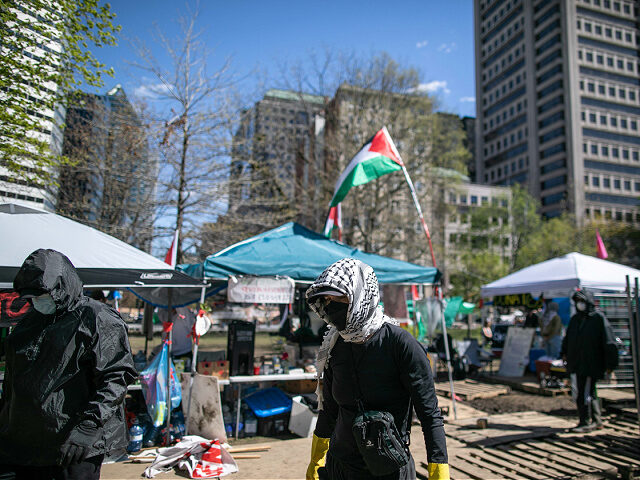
pixel 62 369
pixel 589 345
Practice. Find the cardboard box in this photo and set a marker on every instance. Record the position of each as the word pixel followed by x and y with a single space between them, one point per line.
pixel 219 369
pixel 300 386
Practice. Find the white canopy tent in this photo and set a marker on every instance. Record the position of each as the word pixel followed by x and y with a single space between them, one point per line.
pixel 559 276
pixel 102 261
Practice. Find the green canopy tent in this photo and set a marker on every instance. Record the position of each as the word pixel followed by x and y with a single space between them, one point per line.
pixel 302 254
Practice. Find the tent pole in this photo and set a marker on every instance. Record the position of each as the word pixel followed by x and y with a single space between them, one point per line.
pixel 170 339
pixel 202 295
pixel 634 324
pixel 448 356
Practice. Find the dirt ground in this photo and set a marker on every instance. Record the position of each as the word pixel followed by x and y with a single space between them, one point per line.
pixel 521 402
pixel 289 455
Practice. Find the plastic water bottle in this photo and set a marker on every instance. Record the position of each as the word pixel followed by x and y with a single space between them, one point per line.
pixel 135 437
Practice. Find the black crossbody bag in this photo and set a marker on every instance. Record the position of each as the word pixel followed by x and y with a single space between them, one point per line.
pixel 380 443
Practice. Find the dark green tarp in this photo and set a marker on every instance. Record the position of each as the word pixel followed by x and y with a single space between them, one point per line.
pixel 301 254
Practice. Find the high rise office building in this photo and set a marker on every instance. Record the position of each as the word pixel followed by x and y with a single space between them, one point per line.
pixel 277 154
pixel 558 103
pixel 111 183
pixel 15 187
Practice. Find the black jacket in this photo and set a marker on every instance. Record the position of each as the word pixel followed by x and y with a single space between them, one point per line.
pixel 62 369
pixel 589 344
pixel 391 368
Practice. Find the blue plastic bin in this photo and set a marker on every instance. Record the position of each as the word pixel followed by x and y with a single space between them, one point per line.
pixel 534 354
pixel 268 402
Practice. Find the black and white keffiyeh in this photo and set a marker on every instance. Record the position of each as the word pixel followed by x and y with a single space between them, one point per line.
pixel 359 283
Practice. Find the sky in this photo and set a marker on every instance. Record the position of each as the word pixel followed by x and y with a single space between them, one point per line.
pixel 434 36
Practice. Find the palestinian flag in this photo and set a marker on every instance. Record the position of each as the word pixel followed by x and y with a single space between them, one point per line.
pixel 377 157
pixel 334 220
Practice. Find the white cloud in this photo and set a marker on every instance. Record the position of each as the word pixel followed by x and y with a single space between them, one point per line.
pixel 447 47
pixel 151 90
pixel 468 99
pixel 422 44
pixel 433 87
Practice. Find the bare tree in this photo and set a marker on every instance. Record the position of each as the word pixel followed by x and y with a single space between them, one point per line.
pixel 110 184
pixel 366 93
pixel 194 125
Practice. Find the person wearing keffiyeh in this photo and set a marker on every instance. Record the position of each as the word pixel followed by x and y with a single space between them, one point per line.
pixel 392 368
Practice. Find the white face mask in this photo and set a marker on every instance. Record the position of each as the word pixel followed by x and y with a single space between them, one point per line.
pixel 581 306
pixel 44 304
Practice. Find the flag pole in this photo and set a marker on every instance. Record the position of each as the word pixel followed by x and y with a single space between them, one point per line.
pixel 417 204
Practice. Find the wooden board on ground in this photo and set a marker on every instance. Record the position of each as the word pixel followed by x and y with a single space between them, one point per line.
pixel 616 395
pixel 506 428
pixel 471 389
pixel 612 452
pixel 526 384
pixel 205 414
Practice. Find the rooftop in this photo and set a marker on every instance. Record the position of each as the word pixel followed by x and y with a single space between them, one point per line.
pixel 295 96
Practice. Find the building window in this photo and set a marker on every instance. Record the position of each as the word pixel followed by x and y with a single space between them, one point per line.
pixel 595 181
pixel 627 184
pixel 606 182
pixel 616 183
pixel 605 151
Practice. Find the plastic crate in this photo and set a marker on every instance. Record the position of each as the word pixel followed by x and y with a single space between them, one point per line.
pixel 273 425
pixel 268 402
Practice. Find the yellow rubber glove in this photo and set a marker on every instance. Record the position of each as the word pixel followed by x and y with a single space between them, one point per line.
pixel 438 471
pixel 319 447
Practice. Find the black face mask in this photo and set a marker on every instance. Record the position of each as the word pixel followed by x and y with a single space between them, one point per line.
pixel 337 314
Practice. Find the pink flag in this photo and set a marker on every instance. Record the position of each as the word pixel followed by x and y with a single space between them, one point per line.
pixel 172 253
pixel 601 250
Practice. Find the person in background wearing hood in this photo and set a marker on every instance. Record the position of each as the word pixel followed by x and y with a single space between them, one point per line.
pixel 390 367
pixel 68 365
pixel 589 350
pixel 551 330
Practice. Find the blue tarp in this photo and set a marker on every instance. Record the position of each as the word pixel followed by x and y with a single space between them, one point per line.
pixel 301 254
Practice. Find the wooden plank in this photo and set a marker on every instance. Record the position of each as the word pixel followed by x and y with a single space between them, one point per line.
pixel 489 463
pixel 555 447
pixel 535 451
pixel 472 472
pixel 535 460
pixel 455 474
pixel 587 448
pixel 505 460
pixel 610 448
pixel 518 437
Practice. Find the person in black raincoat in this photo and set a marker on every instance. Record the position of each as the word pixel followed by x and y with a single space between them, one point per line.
pixel 589 349
pixel 68 365
pixel 366 355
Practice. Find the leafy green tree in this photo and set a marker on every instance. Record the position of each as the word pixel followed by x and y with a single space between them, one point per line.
pixel 45 54
pixel 524 221
pixel 622 241
pixel 554 237
pixel 480 267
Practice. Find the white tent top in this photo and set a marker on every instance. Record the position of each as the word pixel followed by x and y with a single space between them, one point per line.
pixel 100 258
pixel 562 275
